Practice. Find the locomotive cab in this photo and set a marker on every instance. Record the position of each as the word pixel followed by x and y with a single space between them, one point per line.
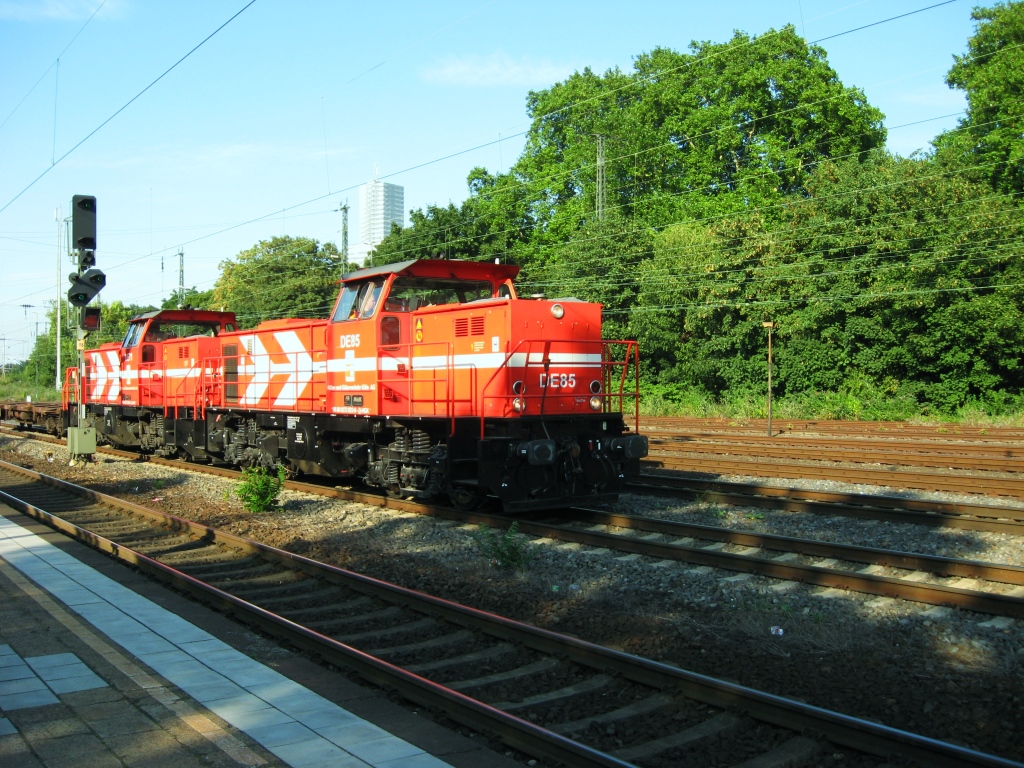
pixel 157 343
pixel 129 386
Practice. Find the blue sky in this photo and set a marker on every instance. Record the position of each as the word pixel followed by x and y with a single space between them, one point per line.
pixel 282 114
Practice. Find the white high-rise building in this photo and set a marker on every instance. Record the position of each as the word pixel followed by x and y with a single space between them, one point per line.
pixel 380 205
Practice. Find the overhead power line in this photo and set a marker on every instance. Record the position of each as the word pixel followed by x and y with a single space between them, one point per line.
pixel 484 145
pixel 127 104
pixel 54 63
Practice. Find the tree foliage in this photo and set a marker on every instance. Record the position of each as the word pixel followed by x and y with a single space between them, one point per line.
pixel 281 277
pixel 891 276
pixel 190 297
pixel 989 143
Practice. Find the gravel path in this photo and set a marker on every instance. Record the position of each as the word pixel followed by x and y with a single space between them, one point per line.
pixel 947 674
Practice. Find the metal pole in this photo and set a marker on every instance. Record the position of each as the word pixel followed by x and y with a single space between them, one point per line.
pixel 344 232
pixel 59 379
pixel 769 326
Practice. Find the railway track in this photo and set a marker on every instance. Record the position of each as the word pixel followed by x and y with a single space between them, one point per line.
pixel 546 694
pixel 898 477
pixel 969 585
pixel 999 457
pixel 835 427
pixel 896 509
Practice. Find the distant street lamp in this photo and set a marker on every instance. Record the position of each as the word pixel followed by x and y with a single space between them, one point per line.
pixel 770 326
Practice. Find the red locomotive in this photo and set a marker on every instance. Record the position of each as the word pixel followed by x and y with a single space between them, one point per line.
pixel 429 378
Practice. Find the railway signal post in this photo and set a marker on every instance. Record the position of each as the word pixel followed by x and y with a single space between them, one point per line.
pixel 86 283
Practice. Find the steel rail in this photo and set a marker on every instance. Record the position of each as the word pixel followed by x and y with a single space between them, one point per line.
pixel 977 517
pixel 514 731
pixel 825 426
pixel 934 564
pixel 846 453
pixel 890 477
pixel 898 443
pixel 841 729
pixel 885 586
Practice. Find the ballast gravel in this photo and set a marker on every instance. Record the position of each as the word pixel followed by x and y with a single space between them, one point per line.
pixel 944 673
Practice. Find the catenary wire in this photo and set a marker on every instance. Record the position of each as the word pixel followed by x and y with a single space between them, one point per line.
pixel 126 105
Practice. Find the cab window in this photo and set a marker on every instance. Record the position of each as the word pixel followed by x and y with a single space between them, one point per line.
pixel 411 293
pixel 134 333
pixel 358 301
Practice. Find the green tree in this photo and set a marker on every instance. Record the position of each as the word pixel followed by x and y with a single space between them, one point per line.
pixel 190 297
pixel 599 265
pixel 989 142
pixel 892 277
pixel 720 130
pixel 281 277
pixel 39 369
pixel 487 225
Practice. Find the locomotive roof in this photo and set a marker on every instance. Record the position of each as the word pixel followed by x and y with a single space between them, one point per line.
pixel 450 268
pixel 186 315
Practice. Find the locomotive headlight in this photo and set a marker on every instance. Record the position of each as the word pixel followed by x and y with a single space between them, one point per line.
pixel 595 403
pixel 595 386
pixel 557 311
pixel 518 388
pixel 519 405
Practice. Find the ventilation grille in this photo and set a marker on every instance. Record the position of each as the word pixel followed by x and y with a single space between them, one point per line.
pixel 231 362
pixel 230 352
pixel 472 326
pixel 182 353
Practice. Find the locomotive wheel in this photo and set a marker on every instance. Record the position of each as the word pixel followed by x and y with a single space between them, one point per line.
pixel 466 499
pixel 394 491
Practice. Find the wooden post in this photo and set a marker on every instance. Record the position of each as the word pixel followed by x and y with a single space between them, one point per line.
pixel 769 326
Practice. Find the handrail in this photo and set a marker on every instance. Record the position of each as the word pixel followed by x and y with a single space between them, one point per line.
pixel 146 384
pixel 391 352
pixel 70 381
pixel 608 364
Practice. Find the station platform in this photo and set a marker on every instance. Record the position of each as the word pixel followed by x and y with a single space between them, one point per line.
pixel 102 667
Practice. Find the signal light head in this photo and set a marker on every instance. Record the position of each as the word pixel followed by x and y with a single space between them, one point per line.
pixel 87 259
pixel 85 286
pixel 91 318
pixel 83 222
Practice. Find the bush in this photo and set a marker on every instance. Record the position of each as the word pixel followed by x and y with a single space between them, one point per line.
pixel 258 489
pixel 506 549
